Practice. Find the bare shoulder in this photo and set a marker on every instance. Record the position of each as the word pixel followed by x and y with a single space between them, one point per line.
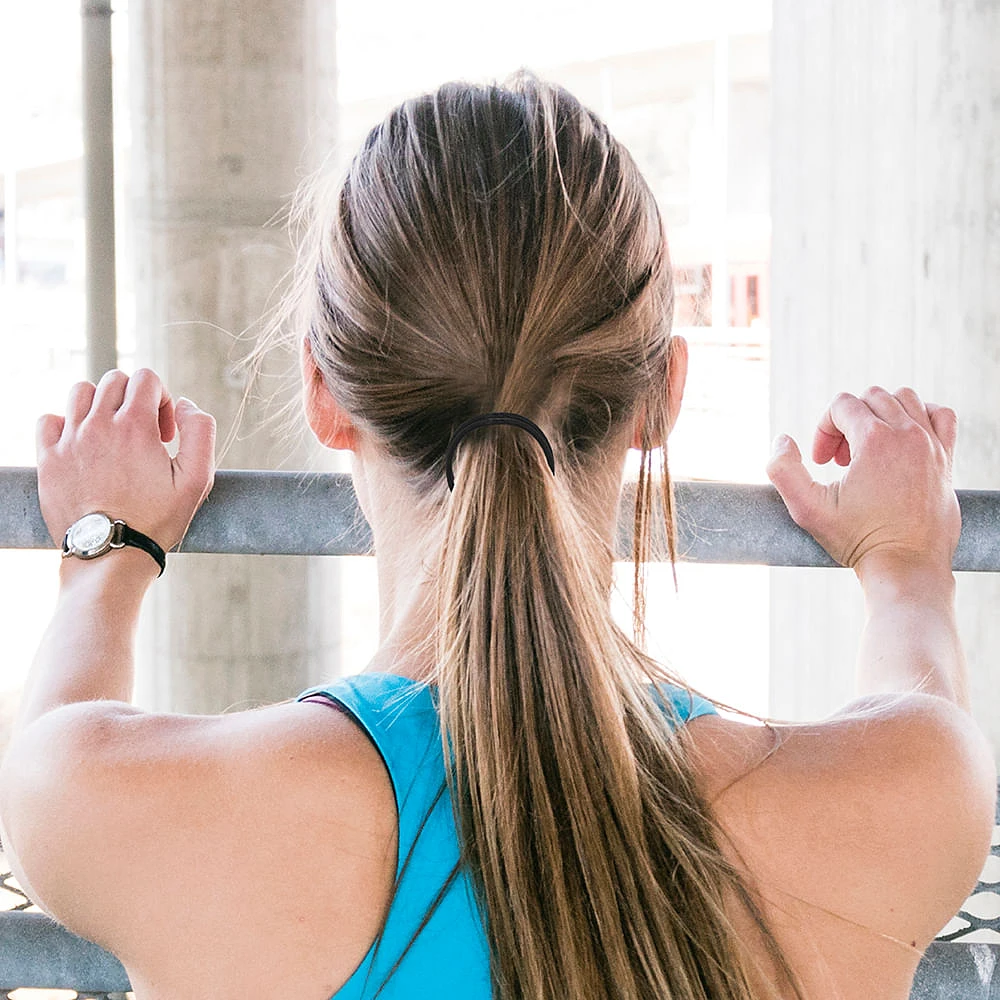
pixel 881 814
pixel 271 827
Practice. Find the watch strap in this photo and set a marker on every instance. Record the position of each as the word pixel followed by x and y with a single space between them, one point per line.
pixel 129 536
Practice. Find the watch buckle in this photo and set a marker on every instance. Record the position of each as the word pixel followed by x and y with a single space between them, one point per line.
pixel 117 531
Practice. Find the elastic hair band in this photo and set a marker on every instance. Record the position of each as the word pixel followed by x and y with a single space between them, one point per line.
pixel 487 420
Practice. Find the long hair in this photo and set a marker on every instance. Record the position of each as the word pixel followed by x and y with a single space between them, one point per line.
pixel 494 248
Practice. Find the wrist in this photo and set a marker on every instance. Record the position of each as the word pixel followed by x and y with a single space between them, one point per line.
pixel 128 568
pixel 906 577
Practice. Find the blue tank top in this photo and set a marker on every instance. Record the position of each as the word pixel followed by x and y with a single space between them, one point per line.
pixel 446 955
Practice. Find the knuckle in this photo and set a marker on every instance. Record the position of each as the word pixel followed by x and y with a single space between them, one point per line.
pixel 127 427
pixel 873 433
pixel 89 433
pixel 914 435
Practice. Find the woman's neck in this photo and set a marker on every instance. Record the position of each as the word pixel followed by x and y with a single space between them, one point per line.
pixel 407 535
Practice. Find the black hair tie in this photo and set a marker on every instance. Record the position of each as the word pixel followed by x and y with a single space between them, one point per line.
pixel 487 420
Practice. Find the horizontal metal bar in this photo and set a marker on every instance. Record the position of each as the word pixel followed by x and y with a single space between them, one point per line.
pixel 957 972
pixel 249 513
pixel 299 513
pixel 37 953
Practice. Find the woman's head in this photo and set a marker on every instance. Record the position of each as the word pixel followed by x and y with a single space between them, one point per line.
pixel 493 248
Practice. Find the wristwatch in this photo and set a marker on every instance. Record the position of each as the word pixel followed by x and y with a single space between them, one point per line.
pixel 95 534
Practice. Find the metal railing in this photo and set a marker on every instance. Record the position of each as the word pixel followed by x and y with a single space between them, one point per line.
pixel 317 514
pixel 299 513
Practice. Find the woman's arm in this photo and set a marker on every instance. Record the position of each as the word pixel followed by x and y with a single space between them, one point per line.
pixel 899 786
pixel 108 455
pixel 86 652
pixel 910 640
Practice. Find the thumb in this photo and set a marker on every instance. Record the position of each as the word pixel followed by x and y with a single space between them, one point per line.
pixel 791 479
pixel 194 464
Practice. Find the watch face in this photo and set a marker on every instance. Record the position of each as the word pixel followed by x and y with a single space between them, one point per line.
pixel 90 536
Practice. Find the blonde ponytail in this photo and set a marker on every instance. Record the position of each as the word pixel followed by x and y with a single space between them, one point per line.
pixel 494 249
pixel 597 864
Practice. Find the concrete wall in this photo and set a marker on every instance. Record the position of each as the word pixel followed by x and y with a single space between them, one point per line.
pixel 232 104
pixel 886 269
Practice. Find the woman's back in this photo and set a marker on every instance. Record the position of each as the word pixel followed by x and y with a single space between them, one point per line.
pixel 433 939
pixel 433 931
pixel 284 855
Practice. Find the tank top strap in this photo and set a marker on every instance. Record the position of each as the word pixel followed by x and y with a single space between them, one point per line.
pixel 433 941
pixel 681 705
pixel 400 717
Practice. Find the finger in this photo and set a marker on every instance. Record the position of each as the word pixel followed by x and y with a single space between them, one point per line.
pixel 914 406
pixel 842 456
pixel 944 423
pixel 194 465
pixel 884 405
pixel 828 444
pixel 791 479
pixel 147 396
pixel 78 404
pixel 110 393
pixel 843 422
pixel 167 417
pixel 48 431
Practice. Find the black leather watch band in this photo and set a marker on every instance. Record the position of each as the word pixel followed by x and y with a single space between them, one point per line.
pixel 129 536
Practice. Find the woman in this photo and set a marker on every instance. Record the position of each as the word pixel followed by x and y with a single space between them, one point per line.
pixel 485 321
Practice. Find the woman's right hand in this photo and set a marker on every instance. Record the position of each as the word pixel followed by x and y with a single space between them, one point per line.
pixel 108 454
pixel 895 503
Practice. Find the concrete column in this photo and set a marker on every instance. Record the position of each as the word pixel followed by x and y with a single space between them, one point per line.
pixel 886 269
pixel 99 187
pixel 232 105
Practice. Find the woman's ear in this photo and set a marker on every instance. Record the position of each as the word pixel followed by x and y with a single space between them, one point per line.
pixel 331 425
pixel 677 374
pixel 677 370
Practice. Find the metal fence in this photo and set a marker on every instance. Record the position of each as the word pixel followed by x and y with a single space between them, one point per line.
pixel 272 513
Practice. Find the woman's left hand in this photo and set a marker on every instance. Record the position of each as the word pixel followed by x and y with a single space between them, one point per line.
pixel 108 454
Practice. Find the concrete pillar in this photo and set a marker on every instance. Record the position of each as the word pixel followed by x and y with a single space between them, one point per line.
pixel 99 188
pixel 886 269
pixel 232 105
